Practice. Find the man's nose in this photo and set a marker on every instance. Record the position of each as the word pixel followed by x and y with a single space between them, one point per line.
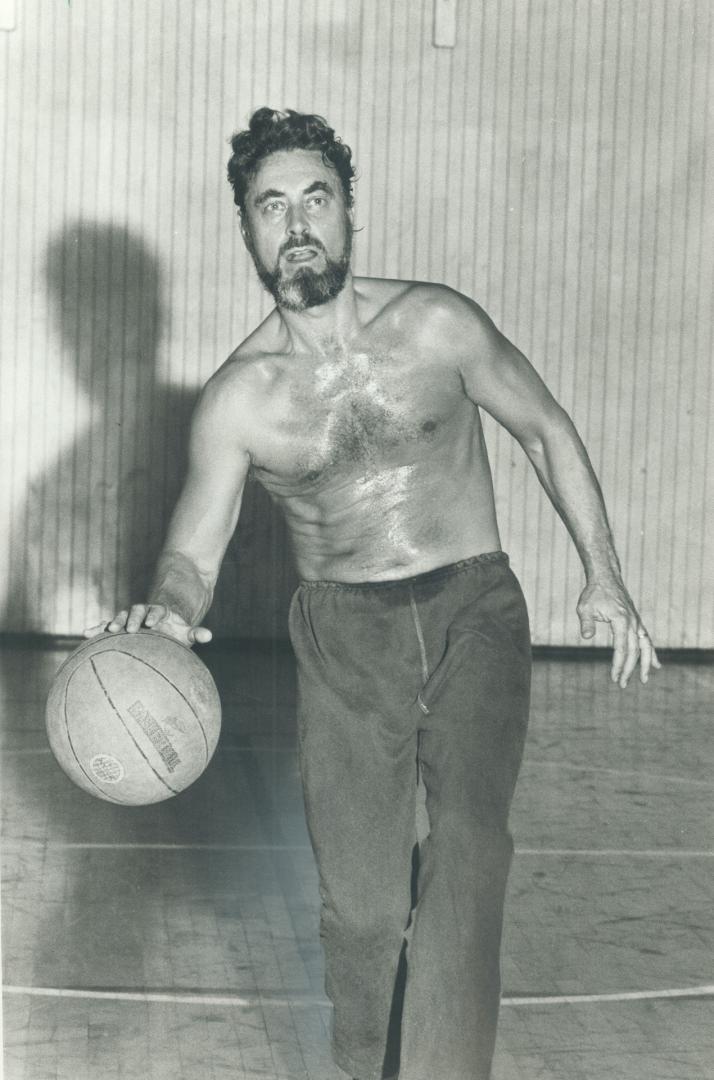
pixel 297 221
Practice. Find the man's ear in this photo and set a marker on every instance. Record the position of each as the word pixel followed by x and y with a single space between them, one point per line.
pixel 245 233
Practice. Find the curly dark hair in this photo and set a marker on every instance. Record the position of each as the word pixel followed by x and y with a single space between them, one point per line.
pixel 270 130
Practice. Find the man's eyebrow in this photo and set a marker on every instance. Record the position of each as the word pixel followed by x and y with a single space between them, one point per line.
pixel 319 185
pixel 271 193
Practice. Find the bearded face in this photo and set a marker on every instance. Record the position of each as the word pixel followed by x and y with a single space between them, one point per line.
pixel 298 229
pixel 305 275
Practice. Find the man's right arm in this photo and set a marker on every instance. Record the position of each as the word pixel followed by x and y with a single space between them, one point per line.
pixel 202 524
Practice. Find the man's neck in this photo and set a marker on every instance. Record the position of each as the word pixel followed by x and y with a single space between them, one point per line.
pixel 326 328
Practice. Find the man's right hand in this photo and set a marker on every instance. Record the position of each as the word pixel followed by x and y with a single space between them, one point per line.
pixel 157 617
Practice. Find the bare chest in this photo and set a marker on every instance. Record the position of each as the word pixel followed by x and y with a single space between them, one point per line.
pixel 367 410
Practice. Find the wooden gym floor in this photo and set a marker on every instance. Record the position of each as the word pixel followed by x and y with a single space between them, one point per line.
pixel 180 941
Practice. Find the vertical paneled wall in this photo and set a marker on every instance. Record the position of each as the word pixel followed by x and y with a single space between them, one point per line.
pixel 553 164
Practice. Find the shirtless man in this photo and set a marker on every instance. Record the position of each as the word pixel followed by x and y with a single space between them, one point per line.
pixel 356 404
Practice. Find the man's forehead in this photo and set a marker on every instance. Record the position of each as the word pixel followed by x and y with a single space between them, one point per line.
pixel 287 169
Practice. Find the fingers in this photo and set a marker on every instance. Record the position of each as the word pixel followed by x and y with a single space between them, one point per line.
pixel 155 613
pixel 631 642
pixel 621 640
pixel 118 622
pixel 648 655
pixel 632 645
pixel 154 617
pixel 137 614
pixel 632 655
pixel 144 615
pixel 131 619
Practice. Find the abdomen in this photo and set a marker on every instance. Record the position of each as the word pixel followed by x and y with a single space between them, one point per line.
pixel 395 518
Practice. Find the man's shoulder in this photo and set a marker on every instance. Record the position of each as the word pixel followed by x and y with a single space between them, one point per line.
pixel 230 397
pixel 433 305
pixel 249 366
pixel 443 304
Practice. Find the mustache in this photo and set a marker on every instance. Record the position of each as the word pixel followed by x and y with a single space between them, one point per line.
pixel 301 242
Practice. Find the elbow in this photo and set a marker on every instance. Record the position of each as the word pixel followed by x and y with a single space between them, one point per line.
pixel 549 434
pixel 532 444
pixel 536 443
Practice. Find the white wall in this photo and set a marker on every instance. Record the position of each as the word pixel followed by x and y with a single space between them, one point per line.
pixel 554 165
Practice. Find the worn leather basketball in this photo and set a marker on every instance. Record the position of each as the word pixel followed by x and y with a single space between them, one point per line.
pixel 133 718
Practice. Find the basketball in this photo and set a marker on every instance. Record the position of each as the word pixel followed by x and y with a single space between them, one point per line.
pixel 133 718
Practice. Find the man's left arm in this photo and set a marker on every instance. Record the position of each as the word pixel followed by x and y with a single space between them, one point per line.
pixel 499 378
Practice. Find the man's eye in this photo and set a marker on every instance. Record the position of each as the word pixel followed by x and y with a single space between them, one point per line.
pixel 274 207
pixel 318 200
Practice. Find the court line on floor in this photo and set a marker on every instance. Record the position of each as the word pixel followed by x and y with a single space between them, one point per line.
pixel 646 853
pixel 628 995
pixel 62 845
pixel 25 751
pixel 572 766
pixel 619 772
pixel 311 1001
pixel 28 751
pixel 588 853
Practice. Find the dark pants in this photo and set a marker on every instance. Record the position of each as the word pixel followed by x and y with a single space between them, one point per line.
pixel 428 674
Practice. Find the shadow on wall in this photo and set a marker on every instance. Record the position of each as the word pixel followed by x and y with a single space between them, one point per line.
pixel 94 519
pixel 86 541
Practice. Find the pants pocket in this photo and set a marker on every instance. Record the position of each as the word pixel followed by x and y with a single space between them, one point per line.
pixel 456 649
pixel 492 644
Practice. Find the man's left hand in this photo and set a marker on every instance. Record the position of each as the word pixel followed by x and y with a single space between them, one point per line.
pixel 609 602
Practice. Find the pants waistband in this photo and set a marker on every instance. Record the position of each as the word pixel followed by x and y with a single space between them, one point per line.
pixel 437 574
